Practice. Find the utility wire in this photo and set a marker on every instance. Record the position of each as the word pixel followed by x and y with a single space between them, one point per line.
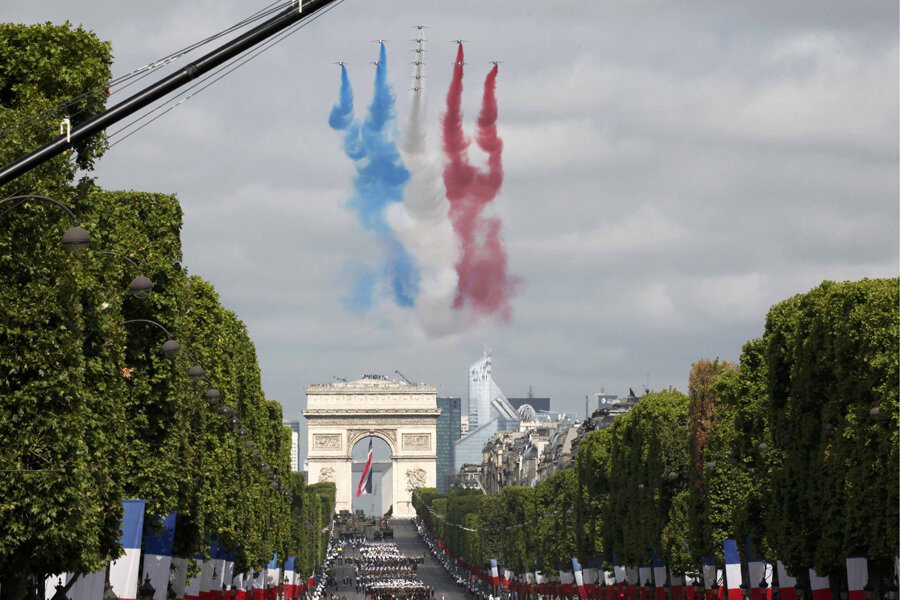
pixel 217 75
pixel 137 74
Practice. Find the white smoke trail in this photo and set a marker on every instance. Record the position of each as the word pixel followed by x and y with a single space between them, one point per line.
pixel 422 223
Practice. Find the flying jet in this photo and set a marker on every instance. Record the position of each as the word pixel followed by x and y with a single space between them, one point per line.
pixel 495 62
pixel 380 41
pixel 457 41
pixel 460 63
pixel 418 77
pixel 420 27
pixel 417 63
pixel 418 50
pixel 416 89
pixel 340 62
pixel 375 62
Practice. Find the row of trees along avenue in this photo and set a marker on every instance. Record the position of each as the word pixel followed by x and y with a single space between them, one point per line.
pixel 91 412
pixel 794 448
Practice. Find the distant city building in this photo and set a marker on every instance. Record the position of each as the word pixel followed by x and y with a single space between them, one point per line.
pixel 295 444
pixel 448 431
pixel 463 425
pixel 489 412
pixel 538 404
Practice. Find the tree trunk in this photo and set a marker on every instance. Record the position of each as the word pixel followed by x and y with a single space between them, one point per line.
pixel 13 588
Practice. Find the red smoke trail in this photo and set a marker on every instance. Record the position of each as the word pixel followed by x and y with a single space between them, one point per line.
pixel 482 268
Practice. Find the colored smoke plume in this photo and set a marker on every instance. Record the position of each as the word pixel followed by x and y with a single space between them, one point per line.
pixel 422 224
pixel 484 284
pixel 379 182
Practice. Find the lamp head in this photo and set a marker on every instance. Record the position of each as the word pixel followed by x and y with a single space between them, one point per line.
pixel 140 287
pixel 76 240
pixel 196 372
pixel 212 395
pixel 171 348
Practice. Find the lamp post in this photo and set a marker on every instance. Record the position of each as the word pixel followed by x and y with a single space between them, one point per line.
pixel 170 347
pixel 141 286
pixel 146 591
pixel 75 239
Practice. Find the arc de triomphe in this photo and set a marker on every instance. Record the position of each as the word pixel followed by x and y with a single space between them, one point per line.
pixel 339 415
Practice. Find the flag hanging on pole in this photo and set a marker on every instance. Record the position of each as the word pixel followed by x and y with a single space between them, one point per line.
pixel 365 480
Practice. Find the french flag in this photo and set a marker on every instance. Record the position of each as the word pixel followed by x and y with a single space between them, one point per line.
pixel 677 582
pixel 644 573
pixel 159 534
pixel 237 586
pixel 759 571
pixel 228 574
pixel 259 581
pixel 857 575
pixel 820 586
pixel 206 574
pixel 289 579
pixel 192 589
pixel 787 585
pixel 217 583
pixel 179 566
pixel 710 575
pixel 579 577
pixel 123 572
pixel 495 574
pixel 733 578
pixel 365 480
pixel 273 578
pixel 659 576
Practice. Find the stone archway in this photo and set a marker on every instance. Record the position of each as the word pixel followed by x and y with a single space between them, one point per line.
pixel 339 415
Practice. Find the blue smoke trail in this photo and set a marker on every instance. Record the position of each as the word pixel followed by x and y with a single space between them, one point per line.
pixel 380 179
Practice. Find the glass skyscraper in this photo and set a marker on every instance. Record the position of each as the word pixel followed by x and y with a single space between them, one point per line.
pixel 448 431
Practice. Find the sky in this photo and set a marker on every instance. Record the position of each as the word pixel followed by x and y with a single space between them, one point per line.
pixel 671 170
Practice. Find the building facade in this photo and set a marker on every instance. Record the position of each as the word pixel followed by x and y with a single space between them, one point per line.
pixel 448 431
pixel 489 412
pixel 294 426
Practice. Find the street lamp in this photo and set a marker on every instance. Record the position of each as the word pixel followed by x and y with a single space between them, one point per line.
pixel 140 286
pixel 146 591
pixel 212 395
pixel 60 592
pixel 108 593
pixel 75 239
pixel 170 347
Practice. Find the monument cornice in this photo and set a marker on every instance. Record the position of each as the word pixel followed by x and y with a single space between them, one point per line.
pixel 367 412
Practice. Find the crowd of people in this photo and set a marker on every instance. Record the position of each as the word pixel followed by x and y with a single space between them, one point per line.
pixel 382 571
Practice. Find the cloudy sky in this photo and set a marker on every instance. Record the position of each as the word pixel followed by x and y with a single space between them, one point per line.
pixel 671 171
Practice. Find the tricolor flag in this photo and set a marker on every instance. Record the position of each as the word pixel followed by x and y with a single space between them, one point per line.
pixel 88 587
pixel 192 589
pixel 733 577
pixel 228 574
pixel 273 578
pixel 787 585
pixel 123 572
pixel 759 571
pixel 290 585
pixel 857 576
pixel 365 480
pixel 158 537
pixel 579 577
pixel 495 575
pixel 820 586
pixel 659 575
pixel 179 566
pixel 237 587
pixel 710 575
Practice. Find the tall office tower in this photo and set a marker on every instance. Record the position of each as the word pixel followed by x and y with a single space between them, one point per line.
pixel 489 412
pixel 448 431
pixel 295 444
